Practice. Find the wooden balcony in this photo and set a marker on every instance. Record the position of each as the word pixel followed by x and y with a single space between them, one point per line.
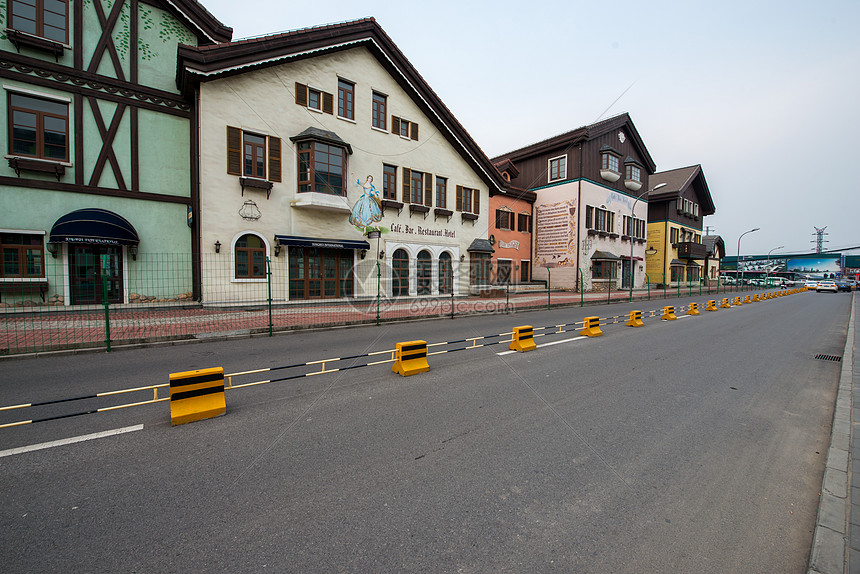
pixel 690 250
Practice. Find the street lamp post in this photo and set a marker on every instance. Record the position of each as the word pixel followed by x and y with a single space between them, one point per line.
pixel 632 225
pixel 739 251
pixel 767 275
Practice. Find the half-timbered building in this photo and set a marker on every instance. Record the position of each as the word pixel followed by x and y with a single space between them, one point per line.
pixel 97 170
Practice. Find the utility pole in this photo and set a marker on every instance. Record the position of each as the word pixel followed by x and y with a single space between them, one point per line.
pixel 819 240
pixel 708 230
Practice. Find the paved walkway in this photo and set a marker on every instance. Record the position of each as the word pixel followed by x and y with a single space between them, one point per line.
pixel 836 543
pixel 44 328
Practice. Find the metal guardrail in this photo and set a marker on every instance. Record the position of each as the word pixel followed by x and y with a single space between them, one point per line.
pixel 323 365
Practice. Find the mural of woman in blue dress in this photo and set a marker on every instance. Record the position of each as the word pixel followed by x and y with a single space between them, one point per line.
pixel 367 210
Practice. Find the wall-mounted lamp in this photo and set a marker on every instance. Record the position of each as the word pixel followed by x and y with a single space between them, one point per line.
pixel 381 255
pixel 53 248
pixel 650 251
pixel 363 253
pixel 217 247
pixel 462 258
pixel 132 250
pixel 277 249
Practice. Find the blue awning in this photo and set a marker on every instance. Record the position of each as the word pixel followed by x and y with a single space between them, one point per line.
pixel 95 227
pixel 320 243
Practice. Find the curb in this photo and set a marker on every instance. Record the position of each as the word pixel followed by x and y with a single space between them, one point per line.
pixel 830 542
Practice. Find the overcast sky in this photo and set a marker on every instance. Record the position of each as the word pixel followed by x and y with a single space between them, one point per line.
pixel 762 94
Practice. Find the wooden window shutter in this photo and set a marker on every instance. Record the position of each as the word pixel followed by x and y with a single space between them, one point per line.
pixel 428 189
pixel 476 201
pixel 407 181
pixel 301 94
pixel 459 198
pixel 274 159
pixel 498 219
pixel 395 125
pixel 234 151
pixel 328 103
pixel 414 133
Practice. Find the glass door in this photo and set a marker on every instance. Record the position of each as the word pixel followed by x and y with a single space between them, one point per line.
pixel 90 269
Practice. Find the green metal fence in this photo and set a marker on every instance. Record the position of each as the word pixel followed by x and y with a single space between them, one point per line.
pixel 85 301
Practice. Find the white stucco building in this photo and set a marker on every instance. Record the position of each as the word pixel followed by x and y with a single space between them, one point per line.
pixel 310 140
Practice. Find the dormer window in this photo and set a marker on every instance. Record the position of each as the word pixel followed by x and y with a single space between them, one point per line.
pixel 609 159
pixel 632 175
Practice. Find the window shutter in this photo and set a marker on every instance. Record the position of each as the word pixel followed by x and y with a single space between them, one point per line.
pixel 301 94
pixel 407 181
pixel 328 103
pixel 428 189
pixel 414 133
pixel 395 125
pixel 476 201
pixel 274 159
pixel 498 219
pixel 234 151
pixel 459 198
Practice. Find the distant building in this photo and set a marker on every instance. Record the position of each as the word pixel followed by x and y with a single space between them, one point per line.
pixel 591 208
pixel 678 202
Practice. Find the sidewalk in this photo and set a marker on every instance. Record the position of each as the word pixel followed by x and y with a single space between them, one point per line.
pixel 38 328
pixel 836 543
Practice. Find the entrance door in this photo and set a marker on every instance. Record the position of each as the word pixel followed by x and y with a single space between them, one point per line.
pixel 88 266
pixel 625 273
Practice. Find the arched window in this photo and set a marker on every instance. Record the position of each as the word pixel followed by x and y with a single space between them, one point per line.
pixel 400 276
pixel 446 274
pixel 424 273
pixel 250 257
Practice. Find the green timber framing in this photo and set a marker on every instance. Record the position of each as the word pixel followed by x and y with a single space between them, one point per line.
pixel 129 139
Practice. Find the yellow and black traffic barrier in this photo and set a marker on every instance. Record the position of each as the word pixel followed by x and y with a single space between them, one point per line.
pixel 693 309
pixel 196 395
pixel 725 304
pixel 756 298
pixel 712 305
pixel 410 358
pixel 591 327
pixel 668 313
pixel 523 339
pixel 738 301
pixel 747 300
pixel 635 319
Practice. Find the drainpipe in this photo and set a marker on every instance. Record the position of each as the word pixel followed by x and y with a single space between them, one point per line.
pixel 579 217
pixel 196 228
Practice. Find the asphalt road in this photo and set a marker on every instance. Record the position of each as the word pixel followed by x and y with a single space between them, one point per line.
pixel 695 445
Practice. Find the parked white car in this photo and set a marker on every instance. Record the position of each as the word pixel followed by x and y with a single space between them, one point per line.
pixel 826 286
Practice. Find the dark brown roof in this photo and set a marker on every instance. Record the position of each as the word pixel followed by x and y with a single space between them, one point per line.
pixel 208 28
pixel 199 64
pixel 674 182
pixel 583 134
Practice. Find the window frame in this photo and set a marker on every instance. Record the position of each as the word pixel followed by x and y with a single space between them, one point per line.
pixel 633 173
pixel 311 154
pixel 258 152
pixel 39 22
pixel 468 199
pixel 612 165
pixel 505 219
pixel 345 99
pixel 249 258
pixel 236 154
pixel 557 168
pixel 389 182
pixel 22 250
pixel 527 217
pixel 379 111
pixel 40 130
pixel 600 267
pixel 441 192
